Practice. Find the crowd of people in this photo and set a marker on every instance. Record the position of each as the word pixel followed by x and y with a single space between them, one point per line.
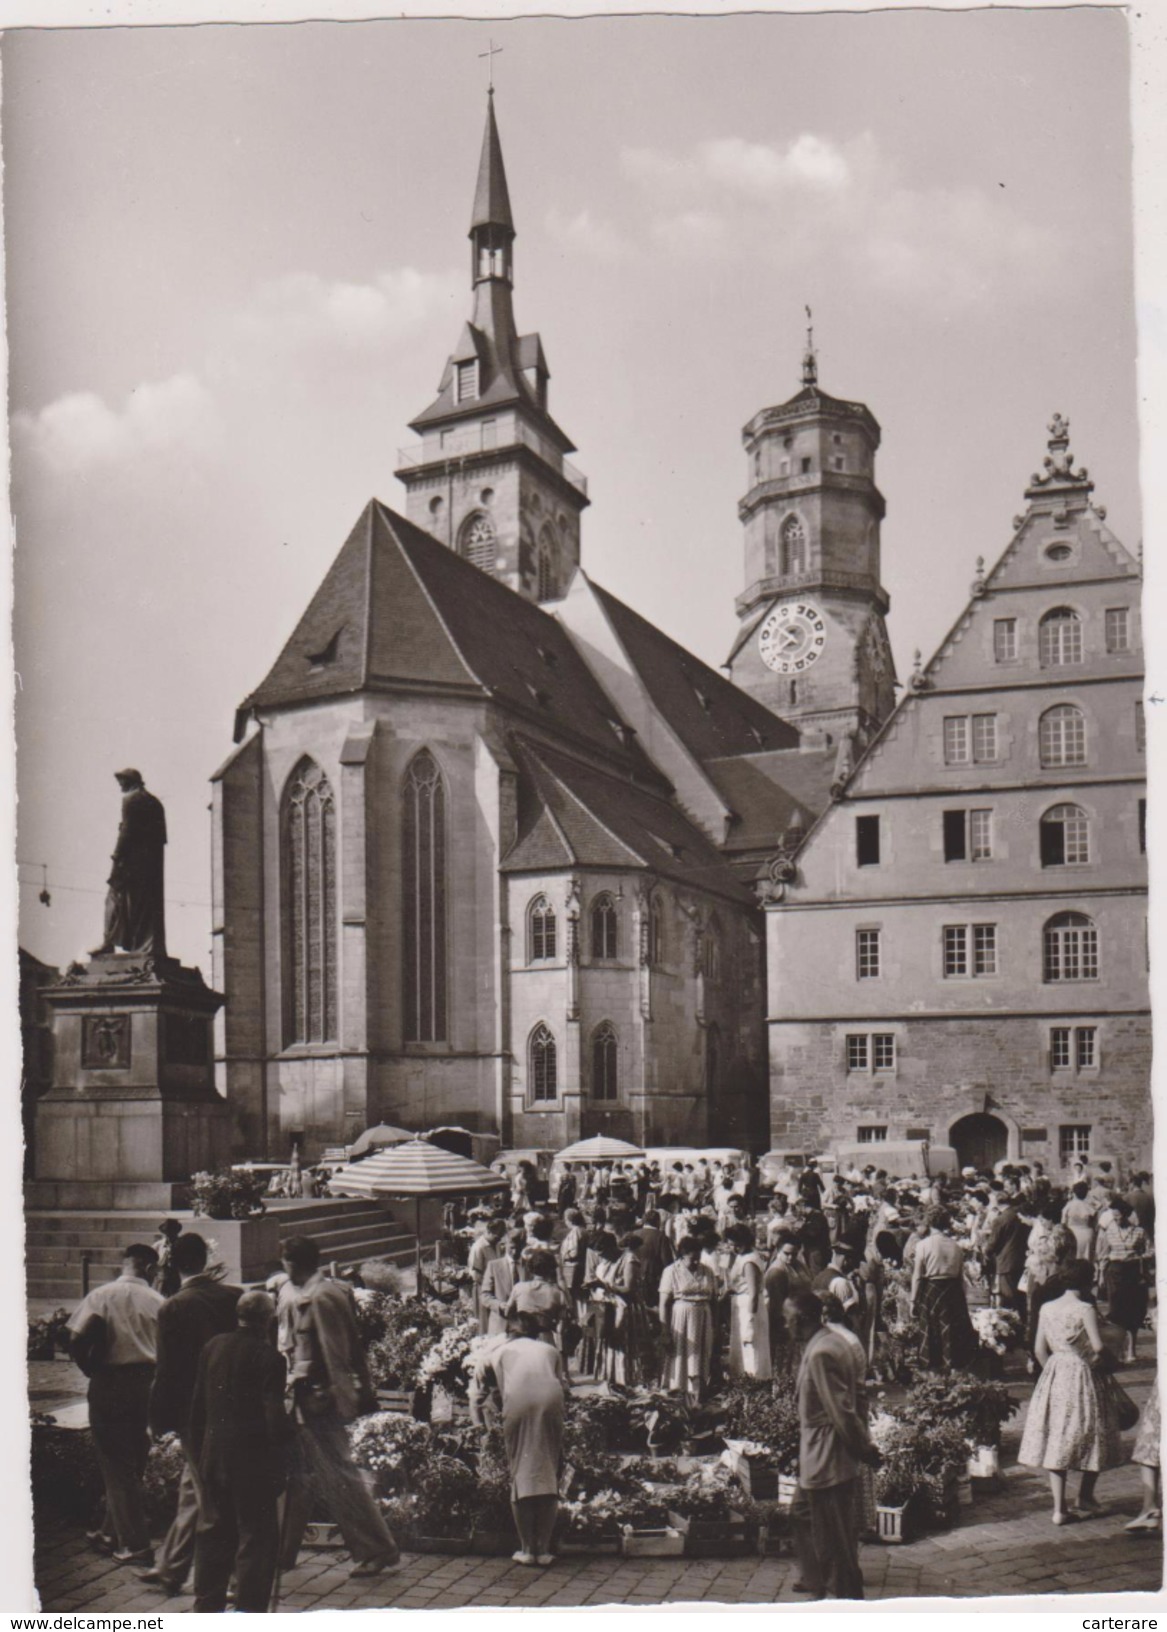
pixel 682 1279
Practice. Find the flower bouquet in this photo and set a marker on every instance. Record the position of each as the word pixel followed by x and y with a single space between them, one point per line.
pixel 998 1330
pixel 444 1363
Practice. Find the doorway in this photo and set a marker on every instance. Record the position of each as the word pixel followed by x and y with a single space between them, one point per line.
pixel 980 1141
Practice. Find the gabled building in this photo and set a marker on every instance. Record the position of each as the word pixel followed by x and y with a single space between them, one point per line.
pixel 978 889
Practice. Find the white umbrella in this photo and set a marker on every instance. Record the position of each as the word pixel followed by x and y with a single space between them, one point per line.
pixel 382 1134
pixel 601 1148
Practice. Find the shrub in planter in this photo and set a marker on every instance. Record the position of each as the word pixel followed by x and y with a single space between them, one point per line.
pixel 393 1448
pixel 47 1335
pixel 921 1463
pixel 66 1479
pixel 979 1408
pixel 228 1193
pixel 765 1417
pixel 445 1499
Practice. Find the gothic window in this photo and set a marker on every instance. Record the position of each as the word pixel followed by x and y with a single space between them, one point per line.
pixel 423 867
pixel 605 942
pixel 540 930
pixel 793 547
pixel 1060 637
pixel 605 1062
pixel 309 919
pixel 1070 948
pixel 1065 837
pixel 479 541
pixel 1062 736
pixel 542 1065
pixel 546 557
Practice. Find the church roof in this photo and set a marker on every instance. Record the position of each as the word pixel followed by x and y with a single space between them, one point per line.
pixel 766 791
pixel 572 814
pixel 492 204
pixel 711 715
pixel 398 608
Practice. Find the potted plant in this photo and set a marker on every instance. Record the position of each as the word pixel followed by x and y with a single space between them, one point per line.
pixel 445 1502
pixel 393 1449
pixel 979 1407
pixel 592 1524
pixel 47 1335
pixel 231 1192
pixel 767 1419
pixel 714 1514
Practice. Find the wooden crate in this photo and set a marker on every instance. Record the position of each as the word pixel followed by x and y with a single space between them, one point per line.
pixel 589 1546
pixel 891 1525
pixel 716 1538
pixel 663 1543
pixel 321 1534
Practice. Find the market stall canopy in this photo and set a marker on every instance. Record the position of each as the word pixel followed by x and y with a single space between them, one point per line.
pixel 599 1149
pixel 382 1134
pixel 414 1169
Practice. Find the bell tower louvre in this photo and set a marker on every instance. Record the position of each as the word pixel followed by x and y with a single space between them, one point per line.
pixel 490 478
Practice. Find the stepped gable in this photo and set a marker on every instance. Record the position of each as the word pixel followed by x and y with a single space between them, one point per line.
pixel 397 607
pixel 712 716
pixel 768 791
pixel 573 814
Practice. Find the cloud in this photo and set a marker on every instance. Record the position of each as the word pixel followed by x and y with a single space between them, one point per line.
pixel 817 203
pixel 303 312
pixel 80 432
pixel 585 231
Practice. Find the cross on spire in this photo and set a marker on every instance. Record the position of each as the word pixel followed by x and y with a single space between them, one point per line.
pixel 490 56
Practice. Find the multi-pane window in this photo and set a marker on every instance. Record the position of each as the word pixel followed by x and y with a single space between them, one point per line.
pixel 970 949
pixel 1118 630
pixel 1061 1048
pixel 1086 1047
pixel 867 841
pixel 1073 1142
pixel 605 924
pixel 542 1064
pixel 540 930
pixel 423 866
pixel 1061 736
pixel 1060 637
pixel 970 739
pixel 309 916
pixel 867 948
pixel 1005 640
pixel 858 1051
pixel 871 1051
pixel 605 1062
pixel 871 1136
pixel 968 835
pixel 1070 948
pixel 467 383
pixel 1065 837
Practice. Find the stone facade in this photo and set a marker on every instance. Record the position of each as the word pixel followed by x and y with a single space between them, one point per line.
pixel 981 883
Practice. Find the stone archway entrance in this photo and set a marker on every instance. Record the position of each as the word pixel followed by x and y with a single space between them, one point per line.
pixel 980 1140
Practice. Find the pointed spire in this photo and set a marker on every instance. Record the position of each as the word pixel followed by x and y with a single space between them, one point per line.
pixel 492 205
pixel 810 367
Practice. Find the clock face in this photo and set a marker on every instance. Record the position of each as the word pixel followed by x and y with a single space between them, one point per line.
pixel 792 637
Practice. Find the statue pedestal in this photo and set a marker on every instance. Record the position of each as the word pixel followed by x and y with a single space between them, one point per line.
pixel 133 1110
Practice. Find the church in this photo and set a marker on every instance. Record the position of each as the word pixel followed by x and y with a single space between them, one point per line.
pixel 492 851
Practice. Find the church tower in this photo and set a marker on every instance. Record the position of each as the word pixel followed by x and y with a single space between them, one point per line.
pixel 490 478
pixel 813 645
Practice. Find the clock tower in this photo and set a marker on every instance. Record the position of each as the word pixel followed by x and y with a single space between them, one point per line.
pixel 813 645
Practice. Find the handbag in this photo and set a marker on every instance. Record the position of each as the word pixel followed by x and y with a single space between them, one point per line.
pixel 1125 1408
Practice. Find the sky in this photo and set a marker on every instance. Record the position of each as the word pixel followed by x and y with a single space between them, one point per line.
pixel 236 261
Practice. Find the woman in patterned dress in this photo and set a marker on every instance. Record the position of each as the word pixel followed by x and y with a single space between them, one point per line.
pixel 1146 1455
pixel 687 1293
pixel 749 1320
pixel 1072 1421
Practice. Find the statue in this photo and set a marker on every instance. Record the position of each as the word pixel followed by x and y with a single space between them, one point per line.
pixel 134 919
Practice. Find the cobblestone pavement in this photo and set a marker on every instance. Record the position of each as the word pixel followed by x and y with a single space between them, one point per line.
pixel 1004 1545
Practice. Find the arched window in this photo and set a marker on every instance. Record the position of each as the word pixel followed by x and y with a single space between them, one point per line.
pixel 1060 637
pixel 1062 736
pixel 605 1062
pixel 1065 837
pixel 479 542
pixel 656 933
pixel 308 834
pixel 545 583
pixel 1070 948
pixel 542 1065
pixel 711 951
pixel 423 898
pixel 793 547
pixel 604 927
pixel 712 1063
pixel 540 930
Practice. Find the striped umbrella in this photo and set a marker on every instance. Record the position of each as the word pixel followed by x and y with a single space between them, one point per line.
pixel 414 1169
pixel 599 1149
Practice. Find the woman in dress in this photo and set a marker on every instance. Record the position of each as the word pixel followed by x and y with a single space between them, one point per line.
pixel 1080 1215
pixel 1121 1247
pixel 1072 1421
pixel 749 1321
pixel 938 1295
pixel 1146 1455
pixel 530 1380
pixel 687 1293
pixel 622 1330
pixel 785 1276
pixel 539 1295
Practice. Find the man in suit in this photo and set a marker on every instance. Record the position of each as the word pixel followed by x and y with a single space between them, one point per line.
pixel 483 1251
pixel 114 1338
pixel 202 1308
pixel 833 1442
pixel 1006 1246
pixel 238 1435
pixel 499 1280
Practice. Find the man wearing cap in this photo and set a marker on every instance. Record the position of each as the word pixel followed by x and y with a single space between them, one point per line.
pixel 134 918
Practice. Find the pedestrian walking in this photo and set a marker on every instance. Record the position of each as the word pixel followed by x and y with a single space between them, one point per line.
pixel 484 1251
pixel 1121 1252
pixel 499 1280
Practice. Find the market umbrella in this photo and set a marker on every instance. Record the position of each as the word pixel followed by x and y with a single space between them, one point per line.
pixel 415 1169
pixel 601 1148
pixel 382 1134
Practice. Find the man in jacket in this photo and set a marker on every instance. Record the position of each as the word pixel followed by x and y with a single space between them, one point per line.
pixel 1005 1246
pixel 499 1280
pixel 238 1435
pixel 202 1308
pixel 833 1442
pixel 330 1388
pixel 114 1337
pixel 483 1251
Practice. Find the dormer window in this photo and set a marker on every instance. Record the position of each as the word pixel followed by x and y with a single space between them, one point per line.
pixel 467 381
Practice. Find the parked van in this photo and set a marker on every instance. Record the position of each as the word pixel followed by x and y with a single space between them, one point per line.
pixel 899 1158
